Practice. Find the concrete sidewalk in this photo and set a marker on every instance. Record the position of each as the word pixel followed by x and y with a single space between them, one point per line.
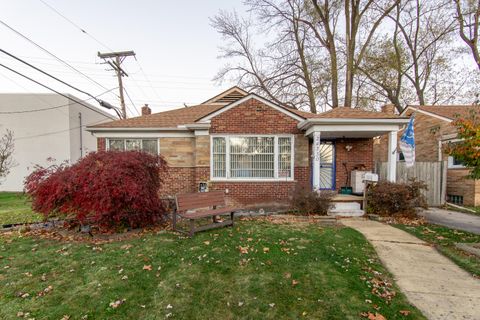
pixel 453 219
pixel 431 282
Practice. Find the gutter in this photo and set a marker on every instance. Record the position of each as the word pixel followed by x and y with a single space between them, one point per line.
pixel 186 127
pixel 133 129
pixel 316 121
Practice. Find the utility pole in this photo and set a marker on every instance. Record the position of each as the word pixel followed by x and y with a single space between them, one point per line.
pixel 115 59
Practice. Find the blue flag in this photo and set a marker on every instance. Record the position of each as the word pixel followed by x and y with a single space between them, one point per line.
pixel 407 143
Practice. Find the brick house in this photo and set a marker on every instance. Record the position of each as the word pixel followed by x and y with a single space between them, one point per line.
pixel 251 148
pixel 433 129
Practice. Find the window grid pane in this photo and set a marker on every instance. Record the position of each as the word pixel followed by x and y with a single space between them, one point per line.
pixel 150 146
pixel 132 145
pixel 146 145
pixel 219 157
pixel 116 144
pixel 284 157
pixel 252 157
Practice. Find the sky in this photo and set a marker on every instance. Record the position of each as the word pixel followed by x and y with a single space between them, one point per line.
pixel 176 48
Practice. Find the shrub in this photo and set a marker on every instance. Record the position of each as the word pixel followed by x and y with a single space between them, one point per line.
pixel 307 202
pixel 108 188
pixel 388 198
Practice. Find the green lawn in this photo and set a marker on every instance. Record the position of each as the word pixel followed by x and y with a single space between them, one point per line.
pixel 256 270
pixel 444 240
pixel 14 208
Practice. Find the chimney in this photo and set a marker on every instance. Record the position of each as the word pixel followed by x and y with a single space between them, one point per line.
pixel 388 108
pixel 146 110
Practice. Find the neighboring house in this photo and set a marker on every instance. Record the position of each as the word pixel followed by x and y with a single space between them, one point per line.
pixel 46 126
pixel 433 129
pixel 254 150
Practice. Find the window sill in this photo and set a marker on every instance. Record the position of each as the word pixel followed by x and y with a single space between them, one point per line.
pixel 252 180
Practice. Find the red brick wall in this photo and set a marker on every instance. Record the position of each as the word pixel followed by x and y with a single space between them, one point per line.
pixel 253 117
pixel 101 144
pixel 459 185
pixel 428 130
pixel 177 180
pixel 360 155
pixel 263 193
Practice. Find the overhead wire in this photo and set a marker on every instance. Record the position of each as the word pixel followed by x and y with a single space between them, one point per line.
pixel 102 44
pixel 47 87
pixel 51 54
pixel 131 101
pixel 51 108
pixel 46 73
pixel 59 131
pixel 75 25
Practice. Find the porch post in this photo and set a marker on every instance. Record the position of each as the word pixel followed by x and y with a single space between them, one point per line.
pixel 392 157
pixel 316 160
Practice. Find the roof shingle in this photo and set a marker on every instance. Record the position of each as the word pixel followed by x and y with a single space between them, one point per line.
pixel 189 115
pixel 449 111
pixel 350 113
pixel 166 119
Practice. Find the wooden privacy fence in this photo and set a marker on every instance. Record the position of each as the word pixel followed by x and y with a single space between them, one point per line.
pixel 434 174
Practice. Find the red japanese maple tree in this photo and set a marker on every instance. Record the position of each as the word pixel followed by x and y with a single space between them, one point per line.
pixel 108 188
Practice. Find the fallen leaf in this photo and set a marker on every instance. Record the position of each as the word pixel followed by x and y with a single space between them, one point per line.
pixel 116 304
pixel 271 305
pixel 65 317
pixel 147 267
pixel 243 250
pixel 45 291
pixel 169 306
pixel 240 304
pixel 265 250
pixel 287 275
pixel 206 243
pixel 295 282
pixel 405 312
pixel 376 316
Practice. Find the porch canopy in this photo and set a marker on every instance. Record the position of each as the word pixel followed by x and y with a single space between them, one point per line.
pixel 353 123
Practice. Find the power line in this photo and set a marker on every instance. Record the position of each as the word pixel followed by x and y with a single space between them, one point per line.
pixel 148 79
pixel 51 108
pixel 136 72
pixel 75 25
pixel 47 87
pixel 51 54
pixel 46 73
pixel 131 101
pixel 59 131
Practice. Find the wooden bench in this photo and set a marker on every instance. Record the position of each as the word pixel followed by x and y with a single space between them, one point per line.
pixel 194 206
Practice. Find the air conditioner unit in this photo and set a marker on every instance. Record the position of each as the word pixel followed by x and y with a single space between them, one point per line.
pixel 357 178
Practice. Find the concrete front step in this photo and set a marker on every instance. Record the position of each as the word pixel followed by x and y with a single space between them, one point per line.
pixel 346 209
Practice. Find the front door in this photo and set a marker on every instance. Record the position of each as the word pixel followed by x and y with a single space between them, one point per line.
pixel 327 165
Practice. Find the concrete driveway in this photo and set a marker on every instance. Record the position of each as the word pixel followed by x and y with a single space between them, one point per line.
pixel 431 282
pixel 453 219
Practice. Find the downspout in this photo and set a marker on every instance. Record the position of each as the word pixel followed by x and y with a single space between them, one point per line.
pixel 81 137
pixel 440 158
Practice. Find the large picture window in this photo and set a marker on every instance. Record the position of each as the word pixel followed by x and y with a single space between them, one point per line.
pixel 121 144
pixel 252 157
